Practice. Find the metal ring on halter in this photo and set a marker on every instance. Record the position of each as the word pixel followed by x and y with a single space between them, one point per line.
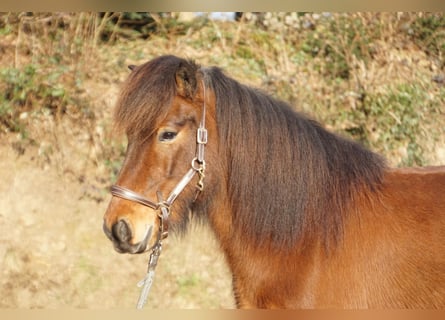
pixel 197 165
pixel 163 205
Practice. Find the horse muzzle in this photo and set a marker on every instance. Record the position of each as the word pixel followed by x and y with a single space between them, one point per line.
pixel 121 235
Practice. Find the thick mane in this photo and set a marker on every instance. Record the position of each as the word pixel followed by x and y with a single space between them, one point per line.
pixel 288 176
pixel 146 95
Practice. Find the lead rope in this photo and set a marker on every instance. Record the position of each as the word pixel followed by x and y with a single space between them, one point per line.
pixel 146 283
pixel 198 165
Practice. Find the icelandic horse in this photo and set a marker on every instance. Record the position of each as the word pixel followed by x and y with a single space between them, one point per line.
pixel 305 217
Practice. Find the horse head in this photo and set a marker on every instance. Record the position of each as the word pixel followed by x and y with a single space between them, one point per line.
pixel 166 114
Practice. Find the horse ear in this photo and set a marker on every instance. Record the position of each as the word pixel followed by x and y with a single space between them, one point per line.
pixel 186 80
pixel 132 67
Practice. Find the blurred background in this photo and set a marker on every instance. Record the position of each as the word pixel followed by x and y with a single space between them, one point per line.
pixel 378 78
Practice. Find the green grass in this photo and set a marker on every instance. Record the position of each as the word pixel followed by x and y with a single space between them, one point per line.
pixel 187 283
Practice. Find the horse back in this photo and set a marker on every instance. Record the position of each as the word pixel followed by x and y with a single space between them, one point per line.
pixel 415 197
pixel 400 239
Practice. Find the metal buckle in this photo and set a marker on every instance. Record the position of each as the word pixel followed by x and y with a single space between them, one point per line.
pixel 201 135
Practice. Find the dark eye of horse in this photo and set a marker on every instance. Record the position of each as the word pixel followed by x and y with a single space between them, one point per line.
pixel 167 136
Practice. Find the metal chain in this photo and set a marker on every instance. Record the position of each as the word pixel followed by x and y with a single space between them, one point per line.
pixel 146 283
pixel 201 173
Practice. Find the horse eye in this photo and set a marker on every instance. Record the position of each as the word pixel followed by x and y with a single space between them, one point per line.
pixel 167 136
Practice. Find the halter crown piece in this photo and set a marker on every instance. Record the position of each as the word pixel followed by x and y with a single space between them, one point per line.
pixel 163 206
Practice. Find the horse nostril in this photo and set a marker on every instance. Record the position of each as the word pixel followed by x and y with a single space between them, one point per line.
pixel 121 231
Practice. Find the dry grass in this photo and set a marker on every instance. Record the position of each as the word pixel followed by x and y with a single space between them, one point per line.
pixel 337 67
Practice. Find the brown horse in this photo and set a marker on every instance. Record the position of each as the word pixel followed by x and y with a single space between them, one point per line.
pixel 305 218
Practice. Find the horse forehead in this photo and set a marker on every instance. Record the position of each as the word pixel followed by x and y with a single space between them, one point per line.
pixel 181 108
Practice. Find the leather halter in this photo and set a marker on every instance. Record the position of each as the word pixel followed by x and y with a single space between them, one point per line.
pixel 197 166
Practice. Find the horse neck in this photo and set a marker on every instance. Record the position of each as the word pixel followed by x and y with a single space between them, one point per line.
pixel 286 177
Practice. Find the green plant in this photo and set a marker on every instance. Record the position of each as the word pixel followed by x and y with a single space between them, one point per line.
pixel 187 283
pixel 428 31
pixel 51 55
pixel 336 41
pixel 29 90
pixel 393 122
